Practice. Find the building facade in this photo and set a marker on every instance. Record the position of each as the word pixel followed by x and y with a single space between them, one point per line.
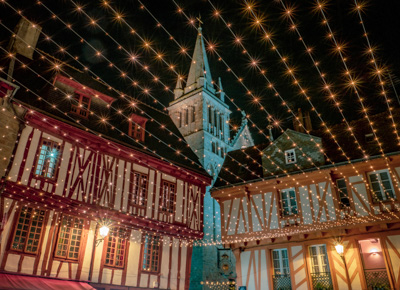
pixel 332 227
pixel 203 118
pixel 91 197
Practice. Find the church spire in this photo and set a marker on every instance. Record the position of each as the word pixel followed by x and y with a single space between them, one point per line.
pixel 199 73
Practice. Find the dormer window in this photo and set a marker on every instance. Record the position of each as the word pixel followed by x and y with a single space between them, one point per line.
pixel 4 88
pixel 80 105
pixel 137 127
pixel 290 156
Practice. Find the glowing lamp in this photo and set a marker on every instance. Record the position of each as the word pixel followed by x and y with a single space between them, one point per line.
pixel 339 249
pixel 104 230
pixel 374 251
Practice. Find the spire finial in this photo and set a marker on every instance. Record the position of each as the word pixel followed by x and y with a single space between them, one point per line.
pixel 200 22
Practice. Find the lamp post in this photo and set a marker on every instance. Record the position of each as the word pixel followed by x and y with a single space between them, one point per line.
pixel 340 250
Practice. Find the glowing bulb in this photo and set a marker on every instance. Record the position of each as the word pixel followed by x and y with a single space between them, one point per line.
pixel 104 230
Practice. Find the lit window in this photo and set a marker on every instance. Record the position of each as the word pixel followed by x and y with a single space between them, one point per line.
pixel 139 189
pixel 29 230
pixel 343 194
pixel 151 253
pixel 381 185
pixel 116 247
pixel 48 159
pixel 288 202
pixel 168 197
pixel 319 260
pixel 80 105
pixel 290 156
pixel 69 238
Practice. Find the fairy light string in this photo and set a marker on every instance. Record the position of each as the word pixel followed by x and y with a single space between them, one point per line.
pixel 277 94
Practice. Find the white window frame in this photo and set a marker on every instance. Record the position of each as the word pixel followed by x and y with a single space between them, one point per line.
pixel 382 191
pixel 281 269
pixel 321 265
pixel 290 159
pixel 288 201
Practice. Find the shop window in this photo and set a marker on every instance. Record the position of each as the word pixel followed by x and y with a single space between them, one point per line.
pixel 80 105
pixel 288 202
pixel 69 238
pixel 29 230
pixel 290 156
pixel 48 159
pixel 139 189
pixel 343 193
pixel 381 185
pixel 168 197
pixel 151 253
pixel 116 247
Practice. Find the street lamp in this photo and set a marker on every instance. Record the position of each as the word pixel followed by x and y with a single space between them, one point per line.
pixel 340 250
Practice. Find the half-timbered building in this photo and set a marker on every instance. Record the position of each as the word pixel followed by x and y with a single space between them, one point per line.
pixel 97 188
pixel 317 219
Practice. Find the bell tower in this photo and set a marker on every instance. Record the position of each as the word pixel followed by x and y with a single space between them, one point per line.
pixel 202 116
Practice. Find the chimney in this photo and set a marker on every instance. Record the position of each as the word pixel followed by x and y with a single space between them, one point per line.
pixel 305 121
pixel 298 122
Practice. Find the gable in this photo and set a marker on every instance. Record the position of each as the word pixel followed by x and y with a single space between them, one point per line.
pixel 286 153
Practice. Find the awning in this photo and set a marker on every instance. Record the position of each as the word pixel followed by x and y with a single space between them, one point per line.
pixel 10 281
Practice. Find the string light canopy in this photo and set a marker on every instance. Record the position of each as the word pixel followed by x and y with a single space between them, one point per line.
pixel 259 21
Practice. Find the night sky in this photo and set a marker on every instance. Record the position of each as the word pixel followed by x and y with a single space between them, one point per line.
pixel 381 20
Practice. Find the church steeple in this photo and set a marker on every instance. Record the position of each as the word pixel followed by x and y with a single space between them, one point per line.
pixel 199 72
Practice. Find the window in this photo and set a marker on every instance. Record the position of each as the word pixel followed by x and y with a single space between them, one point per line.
pixel 69 238
pixel 213 149
pixel 168 197
pixel 281 262
pixel 369 138
pixel 381 185
pixel 343 194
pixel 288 201
pixel 186 116
pixel 290 156
pixel 49 158
pixel 139 189
pixel 319 259
pixel 116 248
pixel 137 127
pixel 193 113
pixel 4 88
pixel 80 105
pixel 151 253
pixel 320 274
pixel 29 230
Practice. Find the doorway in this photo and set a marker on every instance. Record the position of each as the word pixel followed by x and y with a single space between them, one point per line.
pixel 374 265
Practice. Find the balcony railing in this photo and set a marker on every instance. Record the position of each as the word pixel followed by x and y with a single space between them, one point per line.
pixel 321 281
pixel 282 282
pixel 377 279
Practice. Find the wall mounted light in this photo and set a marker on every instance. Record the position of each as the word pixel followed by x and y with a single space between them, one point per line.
pixel 103 232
